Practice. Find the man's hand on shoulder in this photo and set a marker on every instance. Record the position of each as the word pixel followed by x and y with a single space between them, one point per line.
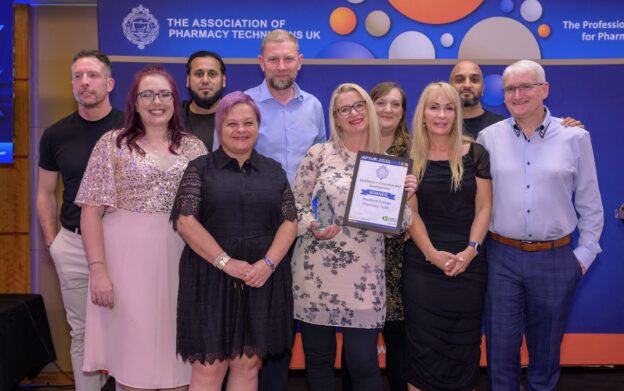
pixel 568 122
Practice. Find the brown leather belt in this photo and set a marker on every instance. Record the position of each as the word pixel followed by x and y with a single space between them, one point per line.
pixel 528 245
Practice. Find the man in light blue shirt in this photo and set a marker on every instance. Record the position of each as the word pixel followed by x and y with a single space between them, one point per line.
pixel 291 122
pixel 543 176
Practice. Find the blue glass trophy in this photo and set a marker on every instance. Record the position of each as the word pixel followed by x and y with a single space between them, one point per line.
pixel 323 211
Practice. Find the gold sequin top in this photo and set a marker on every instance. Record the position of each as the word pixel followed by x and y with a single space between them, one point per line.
pixel 120 179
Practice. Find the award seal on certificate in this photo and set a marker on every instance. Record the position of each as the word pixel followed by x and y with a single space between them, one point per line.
pixel 377 195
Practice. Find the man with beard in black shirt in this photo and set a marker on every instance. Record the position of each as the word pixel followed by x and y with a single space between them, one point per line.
pixel 205 81
pixel 467 79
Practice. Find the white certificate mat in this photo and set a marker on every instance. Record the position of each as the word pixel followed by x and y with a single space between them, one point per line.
pixel 377 195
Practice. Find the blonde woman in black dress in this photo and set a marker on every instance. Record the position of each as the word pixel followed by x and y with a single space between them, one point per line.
pixel 444 271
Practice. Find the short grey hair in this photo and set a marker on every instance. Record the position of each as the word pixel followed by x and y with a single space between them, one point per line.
pixel 278 36
pixel 524 66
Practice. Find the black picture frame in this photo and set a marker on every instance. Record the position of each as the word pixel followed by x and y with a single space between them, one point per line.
pixel 382 159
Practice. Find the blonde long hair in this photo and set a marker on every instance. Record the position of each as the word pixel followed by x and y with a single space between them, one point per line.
pixel 336 134
pixel 420 143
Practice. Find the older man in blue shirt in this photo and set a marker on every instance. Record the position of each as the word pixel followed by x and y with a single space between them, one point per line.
pixel 543 177
pixel 292 121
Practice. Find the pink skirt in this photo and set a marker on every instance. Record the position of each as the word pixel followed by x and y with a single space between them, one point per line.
pixel 135 341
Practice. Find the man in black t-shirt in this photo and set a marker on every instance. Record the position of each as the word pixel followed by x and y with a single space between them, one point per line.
pixel 65 149
pixel 467 79
pixel 205 81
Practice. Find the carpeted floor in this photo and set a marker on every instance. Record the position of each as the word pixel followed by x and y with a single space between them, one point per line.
pixel 572 379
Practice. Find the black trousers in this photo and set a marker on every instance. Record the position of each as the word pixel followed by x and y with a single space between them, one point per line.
pixel 394 337
pixel 360 352
pixel 274 373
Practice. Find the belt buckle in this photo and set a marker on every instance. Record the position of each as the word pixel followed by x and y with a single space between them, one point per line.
pixel 531 245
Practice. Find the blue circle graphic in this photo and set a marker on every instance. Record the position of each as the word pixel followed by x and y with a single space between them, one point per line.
pixel 345 49
pixel 493 93
pixel 506 6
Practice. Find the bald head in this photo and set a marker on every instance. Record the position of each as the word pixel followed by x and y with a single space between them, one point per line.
pixel 467 79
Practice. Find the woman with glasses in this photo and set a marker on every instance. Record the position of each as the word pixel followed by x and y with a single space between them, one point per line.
pixel 338 271
pixel 133 252
pixel 445 271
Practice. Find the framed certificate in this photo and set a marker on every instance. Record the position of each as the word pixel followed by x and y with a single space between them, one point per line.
pixel 377 195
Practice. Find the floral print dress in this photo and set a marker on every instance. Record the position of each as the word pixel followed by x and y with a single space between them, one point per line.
pixel 341 281
pixel 394 251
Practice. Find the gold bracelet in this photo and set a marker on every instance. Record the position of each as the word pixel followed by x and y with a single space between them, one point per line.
pixel 218 258
pixel 222 260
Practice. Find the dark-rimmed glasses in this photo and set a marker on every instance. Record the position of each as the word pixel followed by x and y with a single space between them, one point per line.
pixel 149 95
pixel 346 110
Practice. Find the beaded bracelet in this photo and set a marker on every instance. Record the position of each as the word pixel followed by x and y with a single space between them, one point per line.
pixel 95 263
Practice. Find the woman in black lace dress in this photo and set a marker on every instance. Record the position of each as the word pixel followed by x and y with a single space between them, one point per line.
pixel 236 212
pixel 444 272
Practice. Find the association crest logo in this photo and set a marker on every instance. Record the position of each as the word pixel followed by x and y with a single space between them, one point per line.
pixel 140 27
pixel 382 172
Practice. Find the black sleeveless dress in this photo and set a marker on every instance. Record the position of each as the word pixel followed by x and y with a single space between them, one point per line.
pixel 443 315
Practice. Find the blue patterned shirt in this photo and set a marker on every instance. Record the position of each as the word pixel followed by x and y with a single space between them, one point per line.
pixel 542 183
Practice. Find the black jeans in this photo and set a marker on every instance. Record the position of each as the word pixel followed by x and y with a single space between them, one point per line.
pixel 360 352
pixel 274 373
pixel 394 336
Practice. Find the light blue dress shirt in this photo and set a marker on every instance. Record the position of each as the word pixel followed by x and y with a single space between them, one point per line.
pixel 543 183
pixel 288 131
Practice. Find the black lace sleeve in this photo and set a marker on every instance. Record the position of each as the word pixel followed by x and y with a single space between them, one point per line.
pixel 188 199
pixel 481 158
pixel 289 210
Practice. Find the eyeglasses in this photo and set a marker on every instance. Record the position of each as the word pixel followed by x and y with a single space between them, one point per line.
pixel 522 88
pixel 346 110
pixel 149 95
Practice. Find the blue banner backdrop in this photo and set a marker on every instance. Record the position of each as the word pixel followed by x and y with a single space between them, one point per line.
pixel 397 29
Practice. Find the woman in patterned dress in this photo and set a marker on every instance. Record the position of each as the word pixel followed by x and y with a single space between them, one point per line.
pixel 338 271
pixel 390 105
pixel 126 197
